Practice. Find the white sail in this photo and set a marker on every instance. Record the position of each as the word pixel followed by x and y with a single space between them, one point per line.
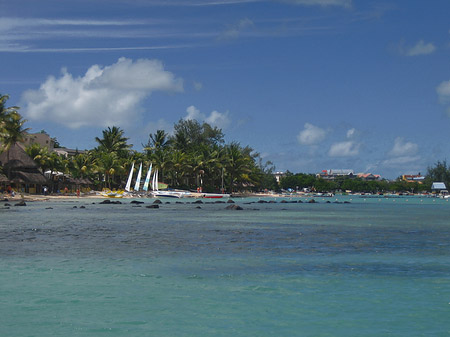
pixel 138 179
pixel 130 176
pixel 147 178
pixel 155 181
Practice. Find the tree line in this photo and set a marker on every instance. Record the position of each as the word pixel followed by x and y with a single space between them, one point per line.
pixel 440 172
pixel 195 155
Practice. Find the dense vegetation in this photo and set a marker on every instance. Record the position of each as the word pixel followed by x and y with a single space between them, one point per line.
pixel 195 155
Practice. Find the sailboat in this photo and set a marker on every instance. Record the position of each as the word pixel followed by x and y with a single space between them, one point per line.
pixel 147 178
pixel 164 194
pixel 138 179
pixel 130 177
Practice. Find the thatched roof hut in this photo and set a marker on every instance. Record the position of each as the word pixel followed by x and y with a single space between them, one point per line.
pixel 23 169
pixel 3 178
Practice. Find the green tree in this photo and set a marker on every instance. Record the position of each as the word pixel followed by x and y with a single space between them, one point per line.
pixel 12 128
pixel 113 141
pixel 440 172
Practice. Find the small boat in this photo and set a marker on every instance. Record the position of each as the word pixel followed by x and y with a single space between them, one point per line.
pixel 169 194
pixel 215 195
pixel 165 193
pixel 107 193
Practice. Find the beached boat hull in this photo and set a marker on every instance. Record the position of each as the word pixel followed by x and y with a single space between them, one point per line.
pixel 215 196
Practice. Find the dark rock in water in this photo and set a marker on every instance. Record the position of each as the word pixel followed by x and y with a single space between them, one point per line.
pixel 107 202
pixel 82 207
pixel 230 201
pixel 49 208
pixel 167 202
pixel 136 202
pixel 219 202
pixel 179 202
pixel 74 207
pixel 157 202
pixel 328 202
pixel 300 202
pixel 283 202
pixel 337 202
pixel 262 202
pixel 248 203
pixel 272 202
pixel 346 202
pixel 312 201
pixel 198 207
pixel 152 206
pixel 6 204
pixel 198 202
pixel 20 203
pixel 234 207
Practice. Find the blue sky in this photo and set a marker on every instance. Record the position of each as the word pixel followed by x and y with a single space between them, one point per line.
pixel 309 84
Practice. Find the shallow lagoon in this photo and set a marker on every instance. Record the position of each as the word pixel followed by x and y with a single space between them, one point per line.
pixel 376 266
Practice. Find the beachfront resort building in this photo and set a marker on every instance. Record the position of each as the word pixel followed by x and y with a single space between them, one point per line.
pixel 41 138
pixel 335 173
pixel 413 178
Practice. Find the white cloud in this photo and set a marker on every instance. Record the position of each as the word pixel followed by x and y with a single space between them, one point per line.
pixel 311 135
pixel 198 85
pixel 400 161
pixel 193 113
pixel 221 120
pixel 402 148
pixel 344 149
pixel 235 30
pixel 421 48
pixel 104 96
pixel 443 91
pixel 351 133
pixel 215 118
pixel 323 3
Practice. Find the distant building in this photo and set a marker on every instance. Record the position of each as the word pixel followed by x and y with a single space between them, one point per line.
pixel 334 173
pixel 439 187
pixel 279 175
pixel 368 176
pixel 64 151
pixel 40 138
pixel 413 178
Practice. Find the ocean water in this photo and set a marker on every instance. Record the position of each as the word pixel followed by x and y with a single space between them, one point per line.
pixel 373 267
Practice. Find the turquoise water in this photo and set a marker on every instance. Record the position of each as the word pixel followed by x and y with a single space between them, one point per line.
pixel 374 267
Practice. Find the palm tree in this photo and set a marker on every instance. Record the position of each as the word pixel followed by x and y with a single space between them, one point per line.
pixel 158 140
pixel 113 141
pixel 11 128
pixel 108 164
pixel 237 163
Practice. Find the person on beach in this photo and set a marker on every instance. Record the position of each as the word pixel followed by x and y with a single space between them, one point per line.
pixel 78 192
